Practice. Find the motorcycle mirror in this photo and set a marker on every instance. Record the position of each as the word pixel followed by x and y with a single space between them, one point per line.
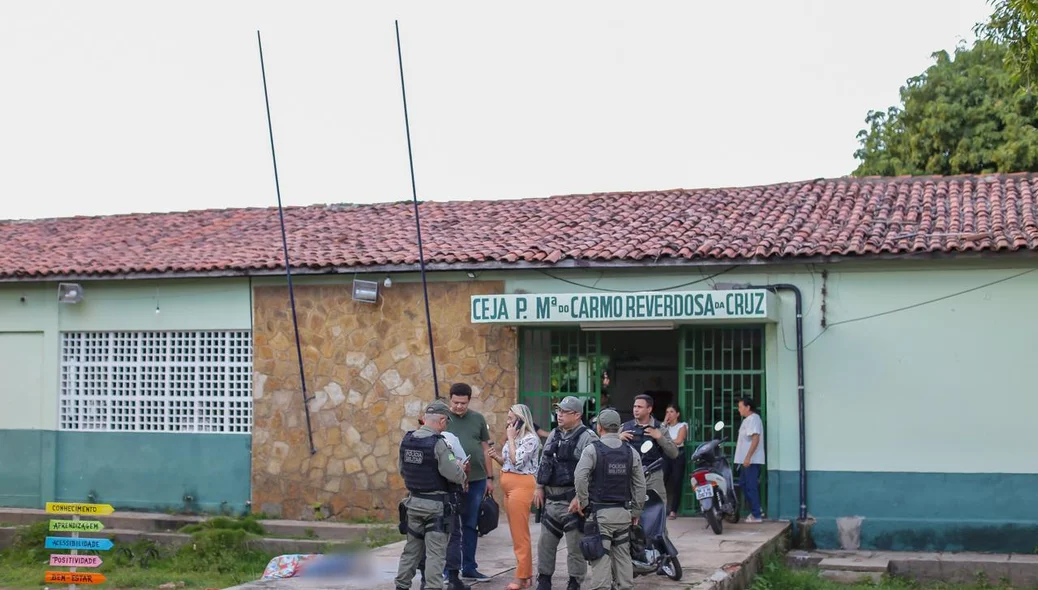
pixel 719 426
pixel 646 446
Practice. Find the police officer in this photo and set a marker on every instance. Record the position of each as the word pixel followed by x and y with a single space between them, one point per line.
pixel 611 485
pixel 555 491
pixel 642 428
pixel 433 475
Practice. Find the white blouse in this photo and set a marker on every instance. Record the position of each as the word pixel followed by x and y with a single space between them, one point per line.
pixel 527 455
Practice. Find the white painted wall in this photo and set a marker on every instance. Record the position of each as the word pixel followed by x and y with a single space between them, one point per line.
pixel 215 304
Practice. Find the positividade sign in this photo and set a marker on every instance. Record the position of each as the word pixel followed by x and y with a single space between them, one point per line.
pixel 676 306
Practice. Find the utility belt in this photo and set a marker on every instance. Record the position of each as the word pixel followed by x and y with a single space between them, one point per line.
pixel 566 496
pixel 595 506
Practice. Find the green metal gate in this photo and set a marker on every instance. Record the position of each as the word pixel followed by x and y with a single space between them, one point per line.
pixel 557 362
pixel 717 366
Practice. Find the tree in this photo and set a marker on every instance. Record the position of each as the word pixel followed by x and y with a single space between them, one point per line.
pixel 1014 25
pixel 963 115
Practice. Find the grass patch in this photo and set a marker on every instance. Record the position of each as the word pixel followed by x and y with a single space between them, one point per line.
pixel 222 552
pixel 215 558
pixel 777 576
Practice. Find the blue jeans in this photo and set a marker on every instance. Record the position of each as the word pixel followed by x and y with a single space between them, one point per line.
pixel 461 548
pixel 749 480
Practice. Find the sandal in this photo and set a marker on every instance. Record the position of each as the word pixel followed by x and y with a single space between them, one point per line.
pixel 672 516
pixel 519 584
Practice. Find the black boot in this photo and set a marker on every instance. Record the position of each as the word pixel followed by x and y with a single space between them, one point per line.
pixel 573 584
pixel 543 582
pixel 454 582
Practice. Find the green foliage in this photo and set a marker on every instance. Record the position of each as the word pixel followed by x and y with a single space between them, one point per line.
pixel 221 553
pixel 248 524
pixel 1014 25
pixel 777 576
pixel 963 115
pixel 28 545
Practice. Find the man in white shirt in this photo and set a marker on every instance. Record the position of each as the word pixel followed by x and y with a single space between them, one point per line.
pixel 749 453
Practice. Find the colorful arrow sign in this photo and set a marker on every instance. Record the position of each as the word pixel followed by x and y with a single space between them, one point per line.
pixel 79 508
pixel 78 543
pixel 73 578
pixel 76 526
pixel 76 560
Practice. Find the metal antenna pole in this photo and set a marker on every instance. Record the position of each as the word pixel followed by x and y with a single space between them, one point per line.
pixel 284 243
pixel 417 221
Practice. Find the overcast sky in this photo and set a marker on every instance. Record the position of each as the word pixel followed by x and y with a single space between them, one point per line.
pixel 117 107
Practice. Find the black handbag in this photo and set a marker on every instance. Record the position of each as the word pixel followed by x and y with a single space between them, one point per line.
pixel 489 515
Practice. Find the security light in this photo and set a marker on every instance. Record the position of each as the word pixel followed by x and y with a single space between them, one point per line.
pixel 365 291
pixel 70 292
pixel 730 286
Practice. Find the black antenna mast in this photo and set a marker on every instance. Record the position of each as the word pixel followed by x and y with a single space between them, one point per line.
pixel 417 220
pixel 284 243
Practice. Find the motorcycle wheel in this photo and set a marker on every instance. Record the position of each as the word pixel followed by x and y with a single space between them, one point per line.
pixel 713 518
pixel 737 512
pixel 672 567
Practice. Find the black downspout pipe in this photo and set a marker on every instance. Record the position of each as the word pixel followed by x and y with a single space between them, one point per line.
pixel 799 306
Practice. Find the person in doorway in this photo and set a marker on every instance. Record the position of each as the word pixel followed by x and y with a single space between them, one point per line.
pixel 610 484
pixel 674 469
pixel 431 473
pixel 749 453
pixel 642 428
pixel 555 491
pixel 471 429
pixel 519 459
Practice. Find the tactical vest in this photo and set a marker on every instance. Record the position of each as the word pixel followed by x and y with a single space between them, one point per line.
pixel 639 437
pixel 611 481
pixel 563 462
pixel 419 466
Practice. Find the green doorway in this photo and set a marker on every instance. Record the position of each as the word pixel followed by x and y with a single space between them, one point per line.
pixel 718 365
pixel 708 367
pixel 555 363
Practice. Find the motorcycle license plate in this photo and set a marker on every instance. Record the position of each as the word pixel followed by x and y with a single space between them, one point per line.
pixel 703 492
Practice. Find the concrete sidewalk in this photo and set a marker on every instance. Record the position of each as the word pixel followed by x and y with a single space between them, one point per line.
pixel 709 561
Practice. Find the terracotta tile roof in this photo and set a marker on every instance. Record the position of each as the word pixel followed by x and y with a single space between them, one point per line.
pixel 820 218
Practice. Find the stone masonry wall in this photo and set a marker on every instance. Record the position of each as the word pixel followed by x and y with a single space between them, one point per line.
pixel 367 367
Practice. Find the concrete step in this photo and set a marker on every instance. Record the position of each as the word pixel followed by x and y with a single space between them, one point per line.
pixel 269 544
pixel 171 523
pixel 850 577
pixel 856 563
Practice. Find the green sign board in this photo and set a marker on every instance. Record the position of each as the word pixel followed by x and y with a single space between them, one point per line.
pixel 76 526
pixel 577 308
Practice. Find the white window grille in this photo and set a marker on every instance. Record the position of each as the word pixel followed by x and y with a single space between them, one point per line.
pixel 156 381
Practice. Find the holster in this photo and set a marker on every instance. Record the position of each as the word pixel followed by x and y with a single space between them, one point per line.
pixel 591 546
pixel 402 510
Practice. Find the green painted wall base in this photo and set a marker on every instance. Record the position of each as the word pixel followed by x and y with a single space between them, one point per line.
pixel 987 512
pixel 129 470
pixel 23 454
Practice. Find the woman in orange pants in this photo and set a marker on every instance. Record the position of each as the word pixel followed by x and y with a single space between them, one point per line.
pixel 519 458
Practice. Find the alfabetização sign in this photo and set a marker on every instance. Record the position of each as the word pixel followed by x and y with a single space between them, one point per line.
pixel 675 306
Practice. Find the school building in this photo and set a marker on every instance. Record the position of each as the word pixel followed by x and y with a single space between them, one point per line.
pixel 882 324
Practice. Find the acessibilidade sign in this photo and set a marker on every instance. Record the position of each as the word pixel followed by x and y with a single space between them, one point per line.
pixel 677 306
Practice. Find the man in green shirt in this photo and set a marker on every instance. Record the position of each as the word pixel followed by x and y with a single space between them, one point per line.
pixel 471 429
